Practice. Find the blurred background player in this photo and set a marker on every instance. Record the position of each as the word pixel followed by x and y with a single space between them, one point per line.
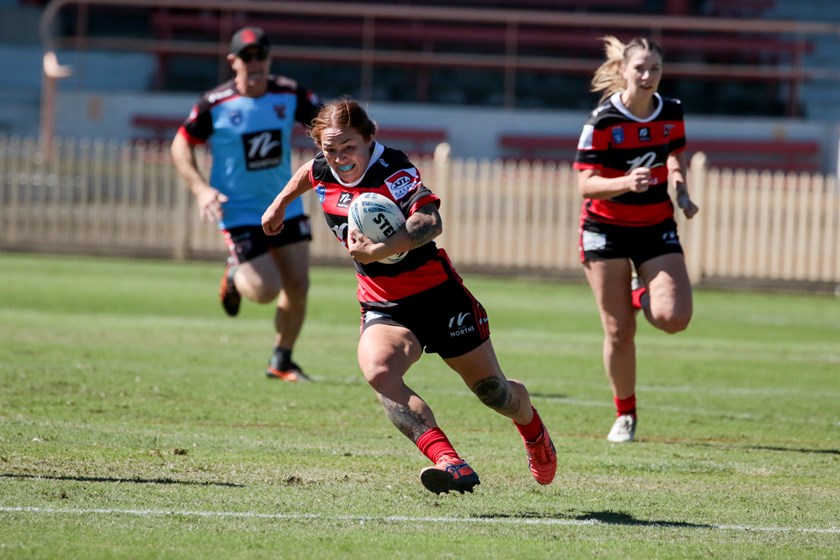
pixel 419 303
pixel 247 123
pixel 630 149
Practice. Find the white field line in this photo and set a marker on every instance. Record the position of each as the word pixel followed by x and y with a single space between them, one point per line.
pixel 361 519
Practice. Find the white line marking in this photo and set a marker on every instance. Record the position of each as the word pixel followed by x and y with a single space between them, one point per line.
pixel 406 519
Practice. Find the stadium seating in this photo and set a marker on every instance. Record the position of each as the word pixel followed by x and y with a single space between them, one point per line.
pixel 561 55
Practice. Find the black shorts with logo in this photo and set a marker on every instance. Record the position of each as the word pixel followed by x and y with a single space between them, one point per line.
pixel 246 243
pixel 446 319
pixel 639 244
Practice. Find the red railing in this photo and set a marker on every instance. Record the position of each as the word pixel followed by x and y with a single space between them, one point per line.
pixel 512 42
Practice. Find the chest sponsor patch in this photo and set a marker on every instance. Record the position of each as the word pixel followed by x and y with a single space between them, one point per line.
pixel 263 150
pixel 344 200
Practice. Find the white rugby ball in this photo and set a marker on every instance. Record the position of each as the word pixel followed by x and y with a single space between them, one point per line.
pixel 377 217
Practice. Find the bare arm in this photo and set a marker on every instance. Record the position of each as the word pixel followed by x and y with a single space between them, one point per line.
pixel 272 218
pixel 209 199
pixel 676 177
pixel 421 227
pixel 592 185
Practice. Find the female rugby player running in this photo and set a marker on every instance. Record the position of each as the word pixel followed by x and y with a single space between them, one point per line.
pixel 419 303
pixel 631 148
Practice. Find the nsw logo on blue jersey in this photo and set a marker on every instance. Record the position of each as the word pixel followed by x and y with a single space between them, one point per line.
pixel 263 150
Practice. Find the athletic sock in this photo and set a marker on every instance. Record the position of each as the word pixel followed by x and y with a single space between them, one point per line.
pixel 281 358
pixel 637 295
pixel 434 444
pixel 625 406
pixel 531 431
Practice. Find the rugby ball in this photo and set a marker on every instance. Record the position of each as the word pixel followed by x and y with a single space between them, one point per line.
pixel 377 217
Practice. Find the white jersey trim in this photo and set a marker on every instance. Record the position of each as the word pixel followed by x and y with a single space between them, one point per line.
pixel 616 100
pixel 374 157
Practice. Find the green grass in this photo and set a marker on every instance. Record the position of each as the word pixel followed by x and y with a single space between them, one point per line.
pixel 135 423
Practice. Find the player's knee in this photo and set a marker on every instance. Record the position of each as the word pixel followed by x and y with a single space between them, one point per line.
pixel 296 287
pixel 381 374
pixel 264 293
pixel 258 290
pixel 621 337
pixel 673 321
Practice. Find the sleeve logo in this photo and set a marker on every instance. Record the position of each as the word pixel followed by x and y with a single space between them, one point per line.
pixel 402 182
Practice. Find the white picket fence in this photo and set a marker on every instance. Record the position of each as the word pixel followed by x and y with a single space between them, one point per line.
pixel 112 198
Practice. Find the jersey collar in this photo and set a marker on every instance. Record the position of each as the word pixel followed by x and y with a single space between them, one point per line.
pixel 616 101
pixel 374 157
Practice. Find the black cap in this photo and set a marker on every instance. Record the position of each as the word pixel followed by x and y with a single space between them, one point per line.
pixel 248 37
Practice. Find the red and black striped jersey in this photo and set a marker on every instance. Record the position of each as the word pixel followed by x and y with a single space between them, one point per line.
pixel 614 142
pixel 389 173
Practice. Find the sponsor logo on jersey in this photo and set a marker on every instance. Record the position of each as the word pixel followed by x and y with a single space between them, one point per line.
pixel 644 134
pixel 280 111
pixel 263 150
pixel 403 181
pixel 617 135
pixel 235 117
pixel 344 200
pixel 645 160
pixel 666 131
pixel 321 192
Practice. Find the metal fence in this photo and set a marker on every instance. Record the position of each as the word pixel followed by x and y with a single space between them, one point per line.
pixel 114 198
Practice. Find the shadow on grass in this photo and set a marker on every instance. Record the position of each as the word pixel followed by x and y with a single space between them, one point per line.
pixel 601 518
pixel 766 448
pixel 795 449
pixel 120 480
pixel 619 518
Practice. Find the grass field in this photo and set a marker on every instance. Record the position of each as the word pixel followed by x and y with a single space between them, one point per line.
pixel 135 422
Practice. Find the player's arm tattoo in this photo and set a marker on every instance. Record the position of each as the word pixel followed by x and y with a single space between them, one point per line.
pixel 407 421
pixel 424 225
pixel 495 393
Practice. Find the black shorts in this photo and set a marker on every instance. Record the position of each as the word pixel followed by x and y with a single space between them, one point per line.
pixel 639 244
pixel 246 243
pixel 446 319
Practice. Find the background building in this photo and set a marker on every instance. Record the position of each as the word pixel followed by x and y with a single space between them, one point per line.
pixel 492 78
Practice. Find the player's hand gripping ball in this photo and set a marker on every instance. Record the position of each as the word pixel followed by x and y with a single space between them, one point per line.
pixel 377 217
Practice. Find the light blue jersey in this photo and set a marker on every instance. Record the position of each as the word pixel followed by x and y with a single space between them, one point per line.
pixel 250 141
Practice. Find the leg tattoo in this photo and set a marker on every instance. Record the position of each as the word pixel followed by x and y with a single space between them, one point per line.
pixel 409 422
pixel 495 393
